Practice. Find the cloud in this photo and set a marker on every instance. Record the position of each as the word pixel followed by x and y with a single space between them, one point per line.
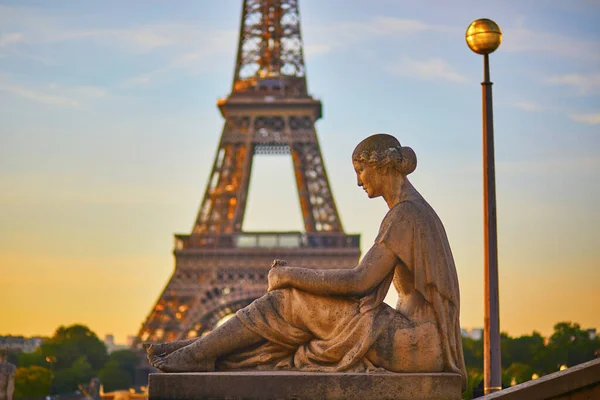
pixel 194 48
pixel 143 39
pixel 140 80
pixel 582 83
pixel 8 38
pixel 431 69
pixel 566 164
pixel 324 39
pixel 42 28
pixel 527 106
pixel 383 26
pixel 140 39
pixel 590 119
pixel 522 39
pixel 314 49
pixel 53 94
pixel 194 57
pixel 145 78
pixel 518 38
pixel 91 91
pixel 40 97
pixel 194 61
pixel 174 45
pixel 32 24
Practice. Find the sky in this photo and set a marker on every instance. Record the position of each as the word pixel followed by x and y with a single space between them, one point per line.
pixel 108 129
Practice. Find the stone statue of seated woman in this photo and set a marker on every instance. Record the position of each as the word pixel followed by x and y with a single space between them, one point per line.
pixel 335 320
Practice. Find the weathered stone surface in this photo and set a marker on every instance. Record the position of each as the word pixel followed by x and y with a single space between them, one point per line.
pixel 580 382
pixel 303 385
pixel 331 320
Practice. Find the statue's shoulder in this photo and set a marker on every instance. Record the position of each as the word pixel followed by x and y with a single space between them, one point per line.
pixel 400 216
pixel 412 214
pixel 405 210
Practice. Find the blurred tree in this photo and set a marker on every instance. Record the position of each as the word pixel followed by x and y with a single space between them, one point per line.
pixel 33 381
pixel 526 349
pixel 473 351
pixel 126 359
pixel 71 343
pixel 569 345
pixel 474 379
pixel 67 379
pixel 518 373
pixel 115 377
pixel 528 354
pixel 73 355
pixel 13 358
pixel 30 359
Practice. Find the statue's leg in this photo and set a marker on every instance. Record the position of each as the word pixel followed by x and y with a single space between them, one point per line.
pixel 200 356
pixel 162 349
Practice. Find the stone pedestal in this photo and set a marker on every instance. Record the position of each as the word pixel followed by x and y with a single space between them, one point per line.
pixel 302 385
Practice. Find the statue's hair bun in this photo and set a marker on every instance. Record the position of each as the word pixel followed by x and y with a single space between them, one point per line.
pixel 409 160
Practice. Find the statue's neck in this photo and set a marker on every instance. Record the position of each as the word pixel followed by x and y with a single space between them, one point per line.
pixel 399 192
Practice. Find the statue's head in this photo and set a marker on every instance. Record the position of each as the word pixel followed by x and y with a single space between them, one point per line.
pixel 3 354
pixel 384 152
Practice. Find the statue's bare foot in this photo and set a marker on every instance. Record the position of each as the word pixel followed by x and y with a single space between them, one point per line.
pixel 153 359
pixel 182 360
pixel 162 349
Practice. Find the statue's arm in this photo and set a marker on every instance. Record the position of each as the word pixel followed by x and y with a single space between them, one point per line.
pixel 373 268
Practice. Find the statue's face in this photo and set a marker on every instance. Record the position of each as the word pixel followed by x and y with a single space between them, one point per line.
pixel 368 178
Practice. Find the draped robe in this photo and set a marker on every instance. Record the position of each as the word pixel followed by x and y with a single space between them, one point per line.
pixel 309 332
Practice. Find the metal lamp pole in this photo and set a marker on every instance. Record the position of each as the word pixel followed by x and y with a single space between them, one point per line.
pixel 483 37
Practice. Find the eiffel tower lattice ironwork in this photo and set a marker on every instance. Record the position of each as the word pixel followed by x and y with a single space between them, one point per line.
pixel 218 267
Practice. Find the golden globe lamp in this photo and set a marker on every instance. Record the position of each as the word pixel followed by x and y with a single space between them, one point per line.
pixel 483 36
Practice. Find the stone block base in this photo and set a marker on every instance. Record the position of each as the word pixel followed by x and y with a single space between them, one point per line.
pixel 302 385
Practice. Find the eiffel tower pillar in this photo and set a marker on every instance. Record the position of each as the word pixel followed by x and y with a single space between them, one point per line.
pixel 218 267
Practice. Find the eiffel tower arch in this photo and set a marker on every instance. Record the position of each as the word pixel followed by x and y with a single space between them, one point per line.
pixel 219 268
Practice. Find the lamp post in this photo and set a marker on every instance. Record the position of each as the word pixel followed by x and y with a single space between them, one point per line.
pixel 483 37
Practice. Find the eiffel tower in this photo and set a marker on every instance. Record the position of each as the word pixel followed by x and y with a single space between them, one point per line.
pixel 219 268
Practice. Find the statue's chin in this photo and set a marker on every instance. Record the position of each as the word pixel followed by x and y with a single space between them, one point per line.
pixel 371 194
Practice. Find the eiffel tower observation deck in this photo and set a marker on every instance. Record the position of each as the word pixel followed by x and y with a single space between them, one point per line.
pixel 219 268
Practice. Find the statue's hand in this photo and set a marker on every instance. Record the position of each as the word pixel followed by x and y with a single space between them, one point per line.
pixel 276 279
